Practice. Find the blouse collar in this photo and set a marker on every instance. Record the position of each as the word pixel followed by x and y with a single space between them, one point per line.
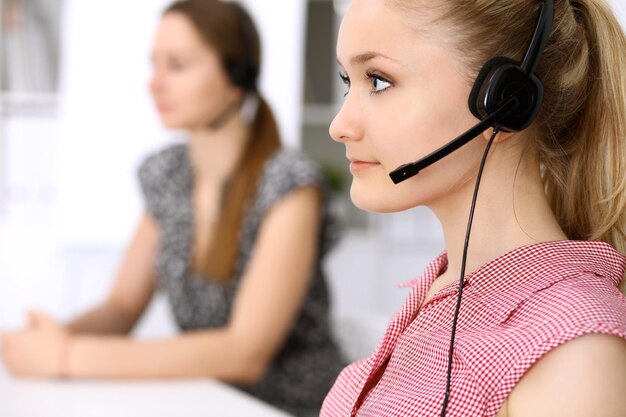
pixel 539 259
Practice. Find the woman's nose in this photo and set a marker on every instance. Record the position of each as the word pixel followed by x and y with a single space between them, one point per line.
pixel 156 82
pixel 346 125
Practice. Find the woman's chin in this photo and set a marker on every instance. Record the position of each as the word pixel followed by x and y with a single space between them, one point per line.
pixel 389 198
pixel 169 123
pixel 371 201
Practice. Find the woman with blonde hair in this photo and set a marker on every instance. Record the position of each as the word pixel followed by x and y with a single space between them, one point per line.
pixel 526 318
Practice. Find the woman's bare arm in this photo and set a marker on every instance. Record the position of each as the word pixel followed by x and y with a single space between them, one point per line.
pixel 267 303
pixel 582 378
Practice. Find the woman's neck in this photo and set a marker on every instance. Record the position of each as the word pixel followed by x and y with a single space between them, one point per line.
pixel 215 154
pixel 511 211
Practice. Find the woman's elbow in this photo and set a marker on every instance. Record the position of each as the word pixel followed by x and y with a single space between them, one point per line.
pixel 250 372
pixel 241 372
pixel 241 361
pixel 244 366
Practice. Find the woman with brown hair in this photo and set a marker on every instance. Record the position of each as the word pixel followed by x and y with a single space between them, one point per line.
pixel 526 318
pixel 234 234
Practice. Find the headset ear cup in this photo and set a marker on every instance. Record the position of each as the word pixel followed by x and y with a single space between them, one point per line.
pixel 243 74
pixel 476 97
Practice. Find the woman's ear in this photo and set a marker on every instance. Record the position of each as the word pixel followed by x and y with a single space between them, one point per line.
pixel 502 136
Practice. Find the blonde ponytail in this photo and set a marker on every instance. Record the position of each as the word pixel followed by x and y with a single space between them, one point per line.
pixel 585 155
pixel 587 186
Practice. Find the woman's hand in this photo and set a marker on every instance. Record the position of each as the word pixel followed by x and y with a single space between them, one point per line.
pixel 35 351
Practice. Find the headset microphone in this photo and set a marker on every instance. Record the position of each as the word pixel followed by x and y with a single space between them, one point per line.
pixel 408 170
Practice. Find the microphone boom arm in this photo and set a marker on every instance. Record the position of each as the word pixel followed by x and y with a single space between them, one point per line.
pixel 407 171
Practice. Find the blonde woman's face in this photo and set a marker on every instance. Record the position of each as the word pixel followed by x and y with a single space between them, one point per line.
pixel 189 85
pixel 406 97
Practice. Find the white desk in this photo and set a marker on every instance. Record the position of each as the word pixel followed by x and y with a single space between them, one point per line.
pixel 34 398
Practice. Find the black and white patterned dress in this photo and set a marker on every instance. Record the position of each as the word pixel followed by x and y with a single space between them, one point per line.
pixel 308 363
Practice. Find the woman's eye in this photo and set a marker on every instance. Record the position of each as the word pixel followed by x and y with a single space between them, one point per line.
pixel 346 80
pixel 176 66
pixel 379 84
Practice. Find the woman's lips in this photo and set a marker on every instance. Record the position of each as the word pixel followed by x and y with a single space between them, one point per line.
pixel 358 166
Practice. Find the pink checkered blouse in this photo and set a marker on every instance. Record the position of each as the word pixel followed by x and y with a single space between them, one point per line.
pixel 515 309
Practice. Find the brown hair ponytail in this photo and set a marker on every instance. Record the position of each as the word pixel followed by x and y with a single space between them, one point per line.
pixel 220 25
pixel 221 259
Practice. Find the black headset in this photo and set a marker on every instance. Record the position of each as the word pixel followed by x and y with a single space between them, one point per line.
pixel 506 93
pixel 243 72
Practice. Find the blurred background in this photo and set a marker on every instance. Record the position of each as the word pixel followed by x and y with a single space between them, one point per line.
pixel 76 120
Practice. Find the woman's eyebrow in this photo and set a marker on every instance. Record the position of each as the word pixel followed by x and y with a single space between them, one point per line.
pixel 367 56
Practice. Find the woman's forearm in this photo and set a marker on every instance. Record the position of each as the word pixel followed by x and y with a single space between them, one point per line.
pixel 205 354
pixel 104 319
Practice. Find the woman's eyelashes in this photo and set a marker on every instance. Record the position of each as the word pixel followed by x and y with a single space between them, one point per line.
pixel 346 80
pixel 377 82
pixel 176 65
pixel 171 67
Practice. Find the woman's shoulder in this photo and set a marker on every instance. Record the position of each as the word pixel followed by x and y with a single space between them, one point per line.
pixel 163 162
pixel 587 371
pixel 292 164
pixel 287 170
pixel 162 175
pixel 549 278
pixel 567 307
pixel 582 286
pixel 548 298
